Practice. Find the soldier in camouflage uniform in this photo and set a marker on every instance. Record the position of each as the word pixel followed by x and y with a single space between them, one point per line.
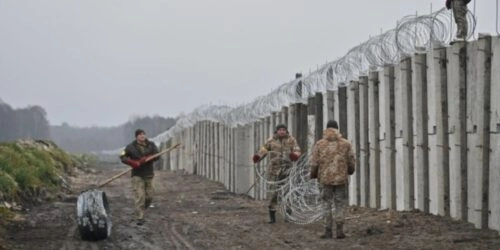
pixel 459 8
pixel 282 149
pixel 332 161
pixel 136 155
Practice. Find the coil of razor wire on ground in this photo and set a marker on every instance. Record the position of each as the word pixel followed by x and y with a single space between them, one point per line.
pixel 298 192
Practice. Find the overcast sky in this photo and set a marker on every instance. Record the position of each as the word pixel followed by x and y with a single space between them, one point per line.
pixel 99 62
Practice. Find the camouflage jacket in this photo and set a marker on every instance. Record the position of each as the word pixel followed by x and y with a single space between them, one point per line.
pixel 331 157
pixel 279 150
pixel 135 151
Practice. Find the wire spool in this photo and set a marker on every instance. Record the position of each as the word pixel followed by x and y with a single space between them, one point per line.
pixel 93 217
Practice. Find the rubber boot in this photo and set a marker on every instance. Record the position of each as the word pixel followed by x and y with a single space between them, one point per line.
pixel 340 231
pixel 272 217
pixel 327 234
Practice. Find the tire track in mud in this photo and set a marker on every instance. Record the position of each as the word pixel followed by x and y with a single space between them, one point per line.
pixel 182 239
pixel 169 225
pixel 171 236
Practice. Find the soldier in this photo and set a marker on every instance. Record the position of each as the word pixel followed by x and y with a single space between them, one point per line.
pixel 137 155
pixel 332 161
pixel 459 8
pixel 283 149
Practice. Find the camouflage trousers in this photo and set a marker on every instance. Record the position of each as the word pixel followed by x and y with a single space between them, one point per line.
pixel 272 193
pixel 460 13
pixel 143 191
pixel 334 197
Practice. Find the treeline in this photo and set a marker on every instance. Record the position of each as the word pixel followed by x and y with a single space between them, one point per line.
pixel 23 123
pixel 32 123
pixel 95 139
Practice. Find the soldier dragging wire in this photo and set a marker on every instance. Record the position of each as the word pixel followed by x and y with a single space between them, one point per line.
pixel 283 149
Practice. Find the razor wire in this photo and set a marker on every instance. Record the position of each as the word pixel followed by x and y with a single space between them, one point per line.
pixel 412 34
pixel 298 193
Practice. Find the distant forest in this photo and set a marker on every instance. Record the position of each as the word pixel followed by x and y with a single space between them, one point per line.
pixel 84 140
pixel 32 123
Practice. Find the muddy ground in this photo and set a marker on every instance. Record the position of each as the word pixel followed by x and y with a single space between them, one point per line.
pixel 193 213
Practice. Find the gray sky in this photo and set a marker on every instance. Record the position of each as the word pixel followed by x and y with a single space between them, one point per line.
pixel 98 62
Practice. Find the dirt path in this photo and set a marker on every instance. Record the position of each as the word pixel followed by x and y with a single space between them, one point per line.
pixel 193 213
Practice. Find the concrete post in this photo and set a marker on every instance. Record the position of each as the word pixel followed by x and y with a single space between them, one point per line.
pixel 374 139
pixel 353 132
pixel 364 144
pixel 262 165
pixel 456 56
pixel 318 110
pixel 406 171
pixel 420 125
pixel 329 110
pixel 342 114
pixel 301 126
pixel 311 123
pixel 494 179
pixel 439 175
pixel 284 116
pixel 234 161
pixel 478 122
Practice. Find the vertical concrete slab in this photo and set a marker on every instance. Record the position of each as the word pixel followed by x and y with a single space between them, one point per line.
pixel 352 95
pixel 202 148
pixel 292 116
pixel 374 139
pixel 301 127
pixel 210 150
pixel 456 56
pixel 262 167
pixel 329 107
pixel 184 153
pixel 213 151
pixel 401 192
pixel 247 164
pixel 311 132
pixel 318 111
pixel 241 180
pixel 336 107
pixel 220 154
pixel 439 169
pixel 494 179
pixel 234 169
pixel 384 177
pixel 311 122
pixel 478 113
pixel 342 119
pixel 198 146
pixel 408 134
pixel 284 115
pixel 255 147
pixel 420 125
pixel 269 130
pixel 389 146
pixel 274 120
pixel 364 144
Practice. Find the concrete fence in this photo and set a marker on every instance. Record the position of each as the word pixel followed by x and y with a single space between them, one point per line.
pixel 426 134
